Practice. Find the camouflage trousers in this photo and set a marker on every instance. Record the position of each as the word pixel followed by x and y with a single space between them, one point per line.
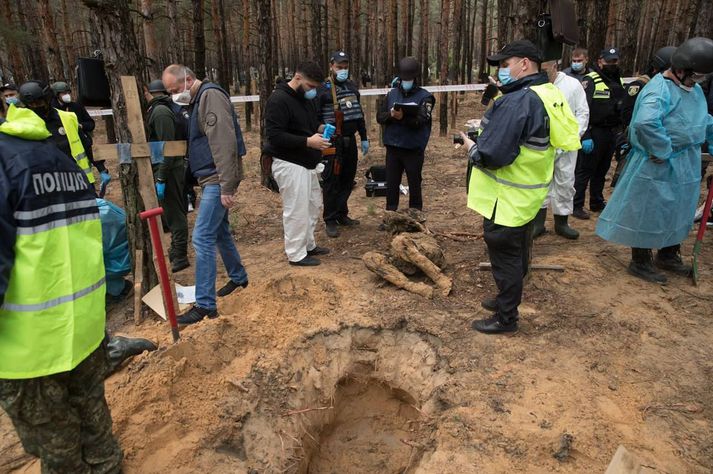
pixel 64 420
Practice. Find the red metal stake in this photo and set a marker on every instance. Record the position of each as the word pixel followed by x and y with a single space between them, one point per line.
pixel 152 216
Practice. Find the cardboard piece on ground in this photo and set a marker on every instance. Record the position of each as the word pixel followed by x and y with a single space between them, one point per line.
pixel 624 462
pixel 154 300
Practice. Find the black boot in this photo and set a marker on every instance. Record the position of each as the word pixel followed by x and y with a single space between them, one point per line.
pixel 538 223
pixel 332 230
pixel 120 348
pixel 562 228
pixel 179 263
pixel 642 266
pixel 669 258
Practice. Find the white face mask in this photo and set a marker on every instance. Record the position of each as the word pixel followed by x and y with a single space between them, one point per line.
pixel 66 98
pixel 182 98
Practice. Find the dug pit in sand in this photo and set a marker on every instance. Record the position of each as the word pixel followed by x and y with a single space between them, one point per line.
pixel 357 397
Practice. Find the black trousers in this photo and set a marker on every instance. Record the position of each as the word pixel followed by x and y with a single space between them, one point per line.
pixel 399 160
pixel 337 188
pixel 509 251
pixel 592 168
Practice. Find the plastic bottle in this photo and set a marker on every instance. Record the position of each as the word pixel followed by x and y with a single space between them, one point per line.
pixel 329 130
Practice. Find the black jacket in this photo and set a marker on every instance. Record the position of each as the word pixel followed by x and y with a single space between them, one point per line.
pixel 85 120
pixel 86 128
pixel 289 120
pixel 604 113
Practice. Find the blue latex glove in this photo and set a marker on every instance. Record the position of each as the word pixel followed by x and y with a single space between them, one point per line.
pixel 105 177
pixel 587 146
pixel 160 190
pixel 364 147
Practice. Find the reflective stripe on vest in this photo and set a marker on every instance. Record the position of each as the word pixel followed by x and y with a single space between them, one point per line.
pixel 70 123
pixel 53 314
pixel 601 90
pixel 512 195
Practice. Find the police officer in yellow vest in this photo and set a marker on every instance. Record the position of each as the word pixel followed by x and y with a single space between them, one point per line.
pixel 64 126
pixel 512 165
pixel 52 356
pixel 605 97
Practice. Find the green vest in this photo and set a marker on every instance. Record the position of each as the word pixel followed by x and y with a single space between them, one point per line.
pixel 70 123
pixel 516 192
pixel 53 314
pixel 601 90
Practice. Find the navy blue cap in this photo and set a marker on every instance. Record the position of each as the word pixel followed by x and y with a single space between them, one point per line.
pixel 339 57
pixel 520 49
pixel 609 54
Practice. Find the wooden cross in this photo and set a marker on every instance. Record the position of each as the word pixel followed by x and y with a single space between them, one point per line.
pixel 141 154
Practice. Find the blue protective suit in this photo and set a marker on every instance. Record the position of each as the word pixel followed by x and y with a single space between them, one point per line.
pixel 117 260
pixel 653 204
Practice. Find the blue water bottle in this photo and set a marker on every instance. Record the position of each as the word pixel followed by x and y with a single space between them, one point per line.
pixel 329 130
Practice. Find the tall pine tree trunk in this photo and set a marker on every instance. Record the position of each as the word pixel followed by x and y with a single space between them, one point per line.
pixel 176 53
pixel 218 21
pixel 199 39
pixel 150 45
pixel 17 65
pixel 443 64
pixel 118 43
pixel 425 13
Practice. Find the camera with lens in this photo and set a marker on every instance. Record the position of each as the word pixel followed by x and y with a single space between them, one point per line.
pixel 472 134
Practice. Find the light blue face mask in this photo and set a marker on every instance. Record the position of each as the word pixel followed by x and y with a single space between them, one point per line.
pixel 407 85
pixel 311 94
pixel 504 75
pixel 576 67
pixel 342 75
pixel 12 100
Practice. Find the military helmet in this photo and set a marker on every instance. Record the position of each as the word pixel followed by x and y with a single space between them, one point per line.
pixel 661 60
pixel 32 91
pixel 695 54
pixel 157 86
pixel 58 87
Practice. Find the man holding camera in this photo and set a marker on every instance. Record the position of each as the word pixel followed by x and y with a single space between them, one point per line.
pixel 511 168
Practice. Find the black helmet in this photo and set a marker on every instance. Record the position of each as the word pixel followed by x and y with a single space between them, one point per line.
pixel 157 86
pixel 409 68
pixel 661 60
pixel 695 54
pixel 32 91
pixel 59 87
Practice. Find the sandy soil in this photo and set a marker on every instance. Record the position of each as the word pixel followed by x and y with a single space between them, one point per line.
pixel 329 370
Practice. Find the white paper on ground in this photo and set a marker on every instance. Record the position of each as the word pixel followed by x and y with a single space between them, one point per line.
pixel 154 300
pixel 186 294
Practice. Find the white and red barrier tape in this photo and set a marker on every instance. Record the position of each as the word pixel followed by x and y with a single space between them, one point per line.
pixel 237 99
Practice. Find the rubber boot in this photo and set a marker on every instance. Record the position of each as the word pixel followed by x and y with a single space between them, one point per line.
pixel 538 223
pixel 642 266
pixel 669 258
pixel 562 228
pixel 120 348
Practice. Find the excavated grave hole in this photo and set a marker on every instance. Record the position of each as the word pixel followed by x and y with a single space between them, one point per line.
pixel 357 400
pixel 370 421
